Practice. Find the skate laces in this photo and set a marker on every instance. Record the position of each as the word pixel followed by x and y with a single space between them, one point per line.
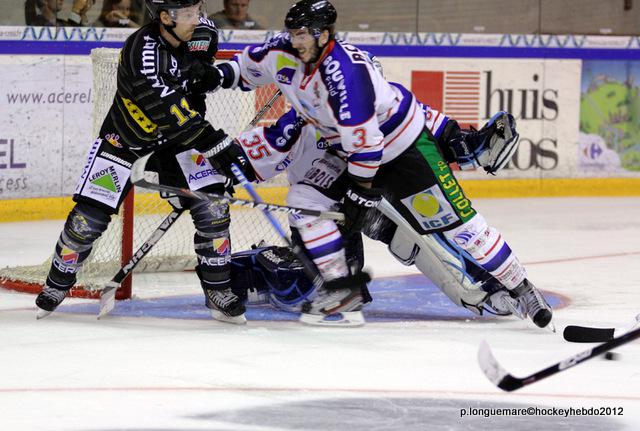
pixel 222 298
pixel 54 294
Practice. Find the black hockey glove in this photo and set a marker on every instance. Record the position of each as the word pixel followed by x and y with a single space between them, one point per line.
pixel 226 152
pixel 358 203
pixel 205 77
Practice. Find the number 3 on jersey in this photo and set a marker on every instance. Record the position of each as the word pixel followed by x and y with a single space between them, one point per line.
pixel 256 149
pixel 361 137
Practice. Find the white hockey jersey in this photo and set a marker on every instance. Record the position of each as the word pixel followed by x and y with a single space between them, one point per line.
pixel 346 99
pixel 290 145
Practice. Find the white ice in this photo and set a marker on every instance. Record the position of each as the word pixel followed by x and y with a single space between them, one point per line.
pixel 72 372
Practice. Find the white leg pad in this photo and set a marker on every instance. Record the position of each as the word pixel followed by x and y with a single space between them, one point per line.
pixel 433 260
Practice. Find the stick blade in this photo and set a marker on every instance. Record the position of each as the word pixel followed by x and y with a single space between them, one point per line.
pixel 107 301
pixel 346 319
pixel 494 371
pixel 583 334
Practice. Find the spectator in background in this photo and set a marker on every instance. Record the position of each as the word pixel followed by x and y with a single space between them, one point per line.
pixel 115 13
pixel 45 12
pixel 235 16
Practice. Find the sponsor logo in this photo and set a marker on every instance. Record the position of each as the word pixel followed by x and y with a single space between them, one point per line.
pixel 334 80
pixel 472 95
pixel 69 257
pixel 113 139
pixel 198 159
pixel 463 237
pixel 283 164
pixel 201 174
pixel 322 144
pixel 214 261
pixel 221 245
pixel 431 208
pixel 8 155
pixel 107 179
pixel 286 68
pixel 149 51
pixel 198 45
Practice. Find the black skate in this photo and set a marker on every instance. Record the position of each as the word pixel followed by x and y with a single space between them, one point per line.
pixel 533 302
pixel 225 306
pixel 48 300
pixel 339 302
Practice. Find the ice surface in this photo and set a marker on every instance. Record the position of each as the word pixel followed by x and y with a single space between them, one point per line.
pixel 72 372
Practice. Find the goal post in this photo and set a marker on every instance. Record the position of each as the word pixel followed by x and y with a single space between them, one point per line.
pixel 143 210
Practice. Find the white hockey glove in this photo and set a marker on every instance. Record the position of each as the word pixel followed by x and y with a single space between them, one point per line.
pixel 490 147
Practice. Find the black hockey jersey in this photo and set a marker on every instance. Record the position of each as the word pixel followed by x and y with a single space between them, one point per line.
pixel 151 108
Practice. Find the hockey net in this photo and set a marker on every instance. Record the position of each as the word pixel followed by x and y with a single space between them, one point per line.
pixel 143 210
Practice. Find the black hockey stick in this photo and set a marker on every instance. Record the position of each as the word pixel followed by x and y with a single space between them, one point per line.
pixel 507 382
pixel 108 294
pixel 137 178
pixel 586 334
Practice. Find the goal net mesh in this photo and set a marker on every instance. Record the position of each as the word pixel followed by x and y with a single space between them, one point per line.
pixel 230 110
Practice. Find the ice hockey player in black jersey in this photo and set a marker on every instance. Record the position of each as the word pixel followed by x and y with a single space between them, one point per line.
pixel 163 70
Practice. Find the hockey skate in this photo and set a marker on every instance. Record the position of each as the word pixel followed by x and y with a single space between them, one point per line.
pixel 532 303
pixel 225 306
pixel 339 302
pixel 501 303
pixel 48 300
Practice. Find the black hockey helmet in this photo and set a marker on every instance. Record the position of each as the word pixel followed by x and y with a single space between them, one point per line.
pixel 311 14
pixel 154 7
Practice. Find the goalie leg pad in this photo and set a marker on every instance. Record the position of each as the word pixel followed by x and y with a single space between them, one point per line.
pixel 486 245
pixel 445 269
pixel 84 225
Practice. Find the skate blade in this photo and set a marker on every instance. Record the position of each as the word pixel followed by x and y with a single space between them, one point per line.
pixel 41 314
pixel 221 317
pixel 346 319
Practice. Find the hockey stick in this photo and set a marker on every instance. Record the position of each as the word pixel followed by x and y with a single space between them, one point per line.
pixel 137 178
pixel 507 382
pixel 348 319
pixel 586 334
pixel 108 294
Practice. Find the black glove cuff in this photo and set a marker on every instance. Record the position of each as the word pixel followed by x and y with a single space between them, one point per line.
pixel 364 197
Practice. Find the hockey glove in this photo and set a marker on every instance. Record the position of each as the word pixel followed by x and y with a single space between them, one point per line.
pixel 204 77
pixel 226 152
pixel 490 147
pixel 358 204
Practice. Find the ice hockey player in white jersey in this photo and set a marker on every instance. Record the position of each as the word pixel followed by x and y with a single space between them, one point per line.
pixel 378 129
pixel 273 274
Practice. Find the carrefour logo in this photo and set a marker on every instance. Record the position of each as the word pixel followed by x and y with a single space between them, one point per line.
pixel 431 208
